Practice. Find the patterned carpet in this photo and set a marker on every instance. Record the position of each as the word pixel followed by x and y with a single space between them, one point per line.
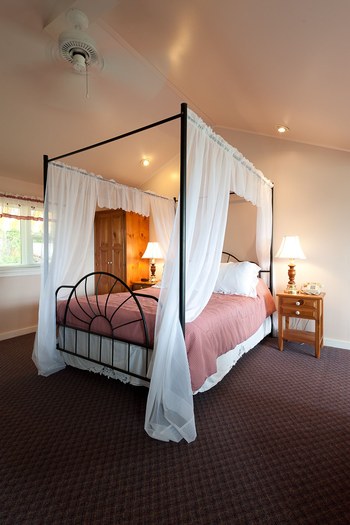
pixel 273 446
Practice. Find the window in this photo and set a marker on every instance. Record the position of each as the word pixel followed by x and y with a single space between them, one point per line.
pixel 21 232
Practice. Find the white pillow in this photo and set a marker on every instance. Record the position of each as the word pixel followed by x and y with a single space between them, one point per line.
pixel 238 278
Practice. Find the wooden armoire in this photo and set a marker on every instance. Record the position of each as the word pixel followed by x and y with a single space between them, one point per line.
pixel 120 240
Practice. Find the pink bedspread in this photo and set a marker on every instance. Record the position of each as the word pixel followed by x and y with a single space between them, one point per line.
pixel 226 321
pixel 115 316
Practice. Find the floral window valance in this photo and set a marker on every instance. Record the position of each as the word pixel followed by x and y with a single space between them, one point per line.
pixel 21 207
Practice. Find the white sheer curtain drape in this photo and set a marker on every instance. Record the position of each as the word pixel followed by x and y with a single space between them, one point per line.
pixel 163 215
pixel 70 204
pixel 213 170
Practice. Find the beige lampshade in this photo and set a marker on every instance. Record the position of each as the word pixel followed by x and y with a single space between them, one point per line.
pixel 153 251
pixel 290 248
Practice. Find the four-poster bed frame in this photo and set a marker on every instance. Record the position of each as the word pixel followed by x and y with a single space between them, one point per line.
pixel 93 308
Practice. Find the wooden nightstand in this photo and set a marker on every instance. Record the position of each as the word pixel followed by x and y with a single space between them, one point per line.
pixel 300 306
pixel 139 285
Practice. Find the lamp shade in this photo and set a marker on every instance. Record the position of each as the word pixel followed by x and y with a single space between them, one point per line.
pixel 290 248
pixel 153 251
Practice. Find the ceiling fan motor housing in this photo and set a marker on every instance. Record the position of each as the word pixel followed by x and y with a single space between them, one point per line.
pixel 78 48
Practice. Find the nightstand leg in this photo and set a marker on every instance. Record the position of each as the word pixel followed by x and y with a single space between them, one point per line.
pixel 280 332
pixel 317 339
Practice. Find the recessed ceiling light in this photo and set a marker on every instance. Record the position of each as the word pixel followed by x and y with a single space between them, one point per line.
pixel 145 162
pixel 282 129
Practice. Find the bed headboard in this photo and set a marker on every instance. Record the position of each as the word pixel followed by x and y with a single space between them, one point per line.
pixel 229 257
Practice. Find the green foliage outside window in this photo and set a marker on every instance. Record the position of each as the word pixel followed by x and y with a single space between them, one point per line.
pixel 10 242
pixel 21 242
pixel 21 231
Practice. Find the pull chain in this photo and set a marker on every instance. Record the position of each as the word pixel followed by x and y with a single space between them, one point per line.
pixel 86 82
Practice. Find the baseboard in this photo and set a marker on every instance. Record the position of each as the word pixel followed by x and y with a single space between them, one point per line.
pixel 16 333
pixel 337 343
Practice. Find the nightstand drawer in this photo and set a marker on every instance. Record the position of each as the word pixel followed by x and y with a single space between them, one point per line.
pixel 305 313
pixel 298 302
pixel 299 307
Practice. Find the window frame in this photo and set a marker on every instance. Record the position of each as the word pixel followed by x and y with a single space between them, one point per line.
pixel 24 205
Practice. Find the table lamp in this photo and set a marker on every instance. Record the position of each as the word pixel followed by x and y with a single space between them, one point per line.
pixel 291 249
pixel 153 252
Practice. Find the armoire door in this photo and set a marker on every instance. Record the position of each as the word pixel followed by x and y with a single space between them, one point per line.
pixel 110 252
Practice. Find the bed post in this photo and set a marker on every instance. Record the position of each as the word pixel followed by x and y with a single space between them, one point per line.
pixel 46 222
pixel 45 168
pixel 182 240
pixel 271 247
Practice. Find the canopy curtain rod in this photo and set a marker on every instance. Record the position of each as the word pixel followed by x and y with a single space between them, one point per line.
pixel 46 159
pixel 113 139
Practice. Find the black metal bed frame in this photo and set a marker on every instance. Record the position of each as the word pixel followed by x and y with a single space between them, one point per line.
pixel 89 311
pixel 182 200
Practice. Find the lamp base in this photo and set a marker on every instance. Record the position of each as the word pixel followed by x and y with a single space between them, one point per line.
pixel 291 288
pixel 153 272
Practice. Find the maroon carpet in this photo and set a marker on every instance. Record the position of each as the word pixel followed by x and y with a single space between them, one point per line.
pixel 273 445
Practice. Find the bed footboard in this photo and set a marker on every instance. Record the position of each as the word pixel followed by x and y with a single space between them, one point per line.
pixel 101 320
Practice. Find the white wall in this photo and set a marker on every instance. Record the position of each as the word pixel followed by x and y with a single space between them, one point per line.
pixel 240 235
pixel 19 305
pixel 19 296
pixel 166 181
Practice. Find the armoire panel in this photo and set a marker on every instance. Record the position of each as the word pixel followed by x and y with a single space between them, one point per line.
pixel 120 240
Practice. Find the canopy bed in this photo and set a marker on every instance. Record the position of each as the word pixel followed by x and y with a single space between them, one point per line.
pixel 193 241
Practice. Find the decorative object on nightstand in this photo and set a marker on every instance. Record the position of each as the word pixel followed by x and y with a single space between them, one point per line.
pixel 311 288
pixel 291 249
pixel 153 252
pixel 300 306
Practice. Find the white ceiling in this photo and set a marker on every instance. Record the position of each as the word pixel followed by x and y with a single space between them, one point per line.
pixel 241 64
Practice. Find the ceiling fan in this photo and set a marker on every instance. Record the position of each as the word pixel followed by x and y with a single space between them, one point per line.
pixel 73 47
pixel 77 47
